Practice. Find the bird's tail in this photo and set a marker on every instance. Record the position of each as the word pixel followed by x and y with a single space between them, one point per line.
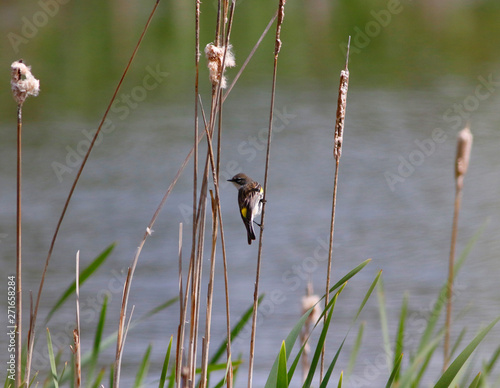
pixel 250 232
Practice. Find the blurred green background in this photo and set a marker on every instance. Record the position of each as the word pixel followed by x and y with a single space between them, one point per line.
pixel 79 48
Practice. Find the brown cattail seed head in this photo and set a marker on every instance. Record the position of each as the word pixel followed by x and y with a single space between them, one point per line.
pixel 309 301
pixel 22 82
pixel 464 146
pixel 341 108
pixel 215 56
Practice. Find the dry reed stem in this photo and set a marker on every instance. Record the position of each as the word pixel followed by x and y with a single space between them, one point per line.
pixel 19 289
pixel 182 317
pixel 464 146
pixel 120 339
pixel 218 214
pixel 23 84
pixel 337 152
pixel 78 174
pixel 277 48
pixel 196 285
pixel 210 293
pixel 76 333
pixel 309 300
pixel 182 326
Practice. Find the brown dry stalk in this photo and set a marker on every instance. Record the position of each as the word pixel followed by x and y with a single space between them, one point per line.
pixel 76 333
pixel 337 152
pixel 210 294
pixel 19 289
pixel 23 84
pixel 277 48
pixel 77 178
pixel 464 146
pixel 120 339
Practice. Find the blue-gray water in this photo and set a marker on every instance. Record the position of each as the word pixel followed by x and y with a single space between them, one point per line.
pixel 400 219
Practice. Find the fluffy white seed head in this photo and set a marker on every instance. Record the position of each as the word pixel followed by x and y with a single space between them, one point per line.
pixel 22 82
pixel 215 56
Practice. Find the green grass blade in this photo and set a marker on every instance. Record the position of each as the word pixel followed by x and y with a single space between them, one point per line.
pixel 97 341
pixel 382 310
pixel 294 333
pixel 234 332
pixel 363 303
pixel 326 378
pixel 355 350
pixel 367 296
pixel 282 369
pixel 395 371
pixel 84 275
pixel 420 358
pixel 171 377
pixel 457 364
pixel 111 339
pixel 349 275
pixel 477 380
pixel 423 368
pixel 295 362
pixel 222 382
pixel 111 375
pixel 441 300
pixel 143 369
pixel 164 369
pixel 319 346
pixel 340 380
pixel 399 345
pixel 97 382
pixel 272 379
pixel 53 369
pixel 493 360
pixel 458 342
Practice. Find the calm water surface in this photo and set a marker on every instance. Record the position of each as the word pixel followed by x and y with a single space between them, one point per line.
pixel 395 204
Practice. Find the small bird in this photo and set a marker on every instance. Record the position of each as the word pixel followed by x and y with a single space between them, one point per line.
pixel 250 197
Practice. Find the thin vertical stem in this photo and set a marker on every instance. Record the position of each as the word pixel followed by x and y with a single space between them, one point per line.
pixel 277 47
pixel 226 282
pixel 464 146
pixel 210 293
pixel 449 290
pixel 77 331
pixel 78 174
pixel 337 153
pixel 330 252
pixel 19 291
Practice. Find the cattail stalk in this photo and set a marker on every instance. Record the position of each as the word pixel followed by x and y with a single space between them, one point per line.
pixel 464 146
pixel 23 84
pixel 337 153
pixel 76 333
pixel 277 48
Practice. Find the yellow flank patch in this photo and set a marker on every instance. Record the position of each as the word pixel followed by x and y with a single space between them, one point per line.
pixel 261 190
pixel 244 212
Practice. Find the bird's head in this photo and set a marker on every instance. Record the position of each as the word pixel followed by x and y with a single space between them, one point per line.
pixel 240 180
